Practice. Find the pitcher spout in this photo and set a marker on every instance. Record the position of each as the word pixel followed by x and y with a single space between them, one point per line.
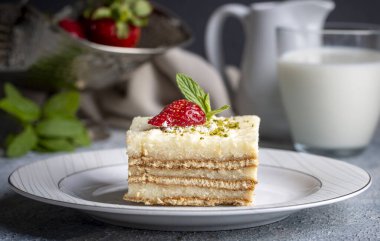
pixel 306 14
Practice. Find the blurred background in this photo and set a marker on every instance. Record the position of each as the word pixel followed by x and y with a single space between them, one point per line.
pixel 42 58
pixel 196 14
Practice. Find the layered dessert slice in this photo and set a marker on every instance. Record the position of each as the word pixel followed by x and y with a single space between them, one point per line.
pixel 211 164
pixel 186 155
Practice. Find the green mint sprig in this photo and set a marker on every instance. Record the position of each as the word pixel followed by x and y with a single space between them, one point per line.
pixel 54 127
pixel 194 93
pixel 124 13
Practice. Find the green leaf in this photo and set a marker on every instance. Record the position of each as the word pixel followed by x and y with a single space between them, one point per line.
pixel 139 22
pixel 56 144
pixel 122 30
pixel 128 2
pixel 217 111
pixel 89 8
pixel 207 103
pixel 64 104
pixel 115 10
pixel 87 13
pixel 11 92
pixel 192 91
pixel 40 149
pixel 9 139
pixel 102 12
pixel 124 13
pixel 59 127
pixel 82 139
pixel 18 106
pixel 142 8
pixel 22 143
pixel 57 70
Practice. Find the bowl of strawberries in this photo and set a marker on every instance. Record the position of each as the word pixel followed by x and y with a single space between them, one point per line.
pixel 91 44
pixel 115 23
pixel 122 26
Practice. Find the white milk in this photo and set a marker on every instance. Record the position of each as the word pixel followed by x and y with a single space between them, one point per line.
pixel 331 96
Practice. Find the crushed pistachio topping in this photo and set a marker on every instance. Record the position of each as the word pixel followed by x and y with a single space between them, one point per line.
pixel 216 126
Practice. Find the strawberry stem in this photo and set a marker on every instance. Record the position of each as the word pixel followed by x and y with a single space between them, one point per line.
pixel 123 12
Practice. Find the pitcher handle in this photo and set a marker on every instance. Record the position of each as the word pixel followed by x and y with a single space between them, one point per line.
pixel 213 36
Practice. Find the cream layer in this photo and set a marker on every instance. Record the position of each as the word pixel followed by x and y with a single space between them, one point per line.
pixel 246 173
pixel 144 140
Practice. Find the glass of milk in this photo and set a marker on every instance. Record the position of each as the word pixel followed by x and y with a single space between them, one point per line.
pixel 330 85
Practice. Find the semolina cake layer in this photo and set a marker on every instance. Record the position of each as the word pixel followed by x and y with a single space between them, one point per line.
pixel 151 193
pixel 218 160
pixel 145 141
pixel 150 159
pixel 193 181
pixel 246 173
pixel 193 164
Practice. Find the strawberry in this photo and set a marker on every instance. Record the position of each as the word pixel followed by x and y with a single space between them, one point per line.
pixel 117 22
pixel 179 113
pixel 103 31
pixel 72 26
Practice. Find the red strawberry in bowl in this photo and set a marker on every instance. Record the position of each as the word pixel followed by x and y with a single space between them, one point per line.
pixel 117 22
pixel 104 31
pixel 73 27
pixel 179 113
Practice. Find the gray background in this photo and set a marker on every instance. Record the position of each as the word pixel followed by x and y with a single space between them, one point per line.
pixel 196 12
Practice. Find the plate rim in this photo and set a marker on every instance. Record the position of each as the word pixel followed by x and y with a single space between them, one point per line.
pixel 184 210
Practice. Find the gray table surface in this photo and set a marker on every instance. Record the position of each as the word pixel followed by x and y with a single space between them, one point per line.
pixel 354 219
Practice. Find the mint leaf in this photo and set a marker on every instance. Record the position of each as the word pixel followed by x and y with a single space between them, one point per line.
pixel 64 104
pixel 56 144
pixel 192 91
pixel 9 139
pixel 11 92
pixel 59 127
pixel 83 139
pixel 217 111
pixel 207 103
pixel 18 106
pixel 40 149
pixel 59 130
pixel 22 143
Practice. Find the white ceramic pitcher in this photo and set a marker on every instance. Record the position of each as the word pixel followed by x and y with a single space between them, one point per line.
pixel 258 88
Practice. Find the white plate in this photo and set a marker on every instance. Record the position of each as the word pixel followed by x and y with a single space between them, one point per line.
pixel 94 182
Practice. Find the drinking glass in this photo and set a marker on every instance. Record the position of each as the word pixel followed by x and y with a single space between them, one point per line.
pixel 330 85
